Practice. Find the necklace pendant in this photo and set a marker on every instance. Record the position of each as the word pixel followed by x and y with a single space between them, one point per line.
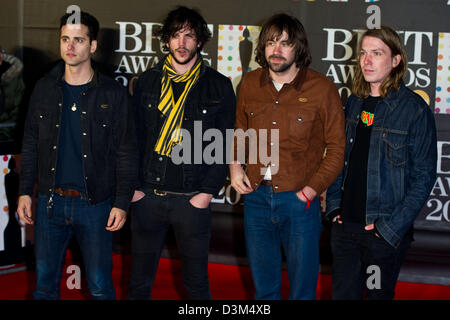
pixel 74 107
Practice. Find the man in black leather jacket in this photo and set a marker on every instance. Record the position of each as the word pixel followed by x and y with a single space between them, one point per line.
pixel 79 143
pixel 178 103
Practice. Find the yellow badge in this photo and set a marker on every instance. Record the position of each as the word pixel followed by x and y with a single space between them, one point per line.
pixel 104 106
pixel 303 99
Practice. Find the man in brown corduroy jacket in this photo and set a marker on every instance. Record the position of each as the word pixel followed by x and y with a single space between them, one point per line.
pixel 302 114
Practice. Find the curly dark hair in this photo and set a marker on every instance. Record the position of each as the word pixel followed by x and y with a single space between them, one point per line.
pixel 183 17
pixel 273 29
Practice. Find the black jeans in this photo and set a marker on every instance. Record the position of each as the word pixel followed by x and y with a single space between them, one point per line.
pixel 150 219
pixel 357 258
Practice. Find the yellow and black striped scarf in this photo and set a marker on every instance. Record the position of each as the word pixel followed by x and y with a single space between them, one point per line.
pixel 170 133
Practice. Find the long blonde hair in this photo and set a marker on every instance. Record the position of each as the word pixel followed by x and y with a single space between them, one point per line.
pixel 361 88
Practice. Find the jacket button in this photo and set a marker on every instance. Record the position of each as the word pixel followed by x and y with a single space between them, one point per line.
pixel 274 122
pixel 300 119
pixel 83 112
pixel 160 159
pixel 85 155
pixel 54 147
pixel 149 105
pixel 84 93
pixel 53 169
pixel 345 162
pixel 57 125
pixel 84 134
pixel 251 113
pixel 277 102
pixel 351 140
pixel 271 143
pixel 204 111
pixel 276 187
pixel 161 116
pixel 60 104
pixel 86 178
pixel 158 178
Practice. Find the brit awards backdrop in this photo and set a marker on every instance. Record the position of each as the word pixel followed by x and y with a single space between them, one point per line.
pixel 29 29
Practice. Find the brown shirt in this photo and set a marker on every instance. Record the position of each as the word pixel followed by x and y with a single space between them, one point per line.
pixel 309 116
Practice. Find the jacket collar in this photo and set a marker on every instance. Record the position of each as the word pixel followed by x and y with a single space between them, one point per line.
pixel 296 83
pixel 393 97
pixel 57 73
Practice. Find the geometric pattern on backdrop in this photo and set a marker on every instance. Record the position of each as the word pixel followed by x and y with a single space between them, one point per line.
pixel 442 102
pixel 236 51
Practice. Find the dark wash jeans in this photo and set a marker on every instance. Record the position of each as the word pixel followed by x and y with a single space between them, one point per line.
pixel 53 231
pixel 353 253
pixel 151 217
pixel 276 220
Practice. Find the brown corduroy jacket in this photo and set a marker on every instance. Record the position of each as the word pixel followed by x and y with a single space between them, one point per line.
pixel 309 116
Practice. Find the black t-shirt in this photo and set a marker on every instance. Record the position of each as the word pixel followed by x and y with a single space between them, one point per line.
pixel 355 187
pixel 69 167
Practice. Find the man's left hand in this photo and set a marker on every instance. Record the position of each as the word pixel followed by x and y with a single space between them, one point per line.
pixel 117 218
pixel 371 227
pixel 201 200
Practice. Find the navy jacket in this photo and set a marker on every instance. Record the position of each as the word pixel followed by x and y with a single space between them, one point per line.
pixel 108 140
pixel 210 104
pixel 401 168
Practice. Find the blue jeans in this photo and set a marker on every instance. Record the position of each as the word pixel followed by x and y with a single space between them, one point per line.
pixel 275 220
pixel 52 233
pixel 151 218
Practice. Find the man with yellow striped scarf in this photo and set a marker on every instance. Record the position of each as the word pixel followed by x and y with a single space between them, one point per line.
pixel 176 102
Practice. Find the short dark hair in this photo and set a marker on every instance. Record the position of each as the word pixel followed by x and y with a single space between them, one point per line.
pixel 85 19
pixel 183 17
pixel 273 29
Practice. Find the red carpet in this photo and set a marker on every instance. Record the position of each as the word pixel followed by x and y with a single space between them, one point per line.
pixel 227 283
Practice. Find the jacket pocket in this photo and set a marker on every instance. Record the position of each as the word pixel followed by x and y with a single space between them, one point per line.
pixel 300 126
pixel 46 125
pixel 255 115
pixel 207 112
pixel 150 111
pixel 396 147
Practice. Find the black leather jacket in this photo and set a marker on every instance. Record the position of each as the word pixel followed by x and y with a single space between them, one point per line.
pixel 211 101
pixel 108 140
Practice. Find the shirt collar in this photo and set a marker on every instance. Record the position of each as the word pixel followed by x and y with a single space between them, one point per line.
pixel 296 83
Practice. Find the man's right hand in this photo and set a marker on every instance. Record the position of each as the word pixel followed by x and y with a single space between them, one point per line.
pixel 239 180
pixel 24 209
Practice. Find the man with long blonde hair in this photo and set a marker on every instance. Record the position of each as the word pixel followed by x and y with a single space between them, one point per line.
pixel 390 168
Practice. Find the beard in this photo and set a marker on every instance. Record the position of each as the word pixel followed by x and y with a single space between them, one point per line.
pixel 279 67
pixel 189 57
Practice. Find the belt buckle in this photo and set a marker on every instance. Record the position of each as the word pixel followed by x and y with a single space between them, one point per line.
pixel 160 193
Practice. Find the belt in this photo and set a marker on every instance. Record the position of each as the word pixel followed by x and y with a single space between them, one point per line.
pixel 267 183
pixel 68 192
pixel 162 193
